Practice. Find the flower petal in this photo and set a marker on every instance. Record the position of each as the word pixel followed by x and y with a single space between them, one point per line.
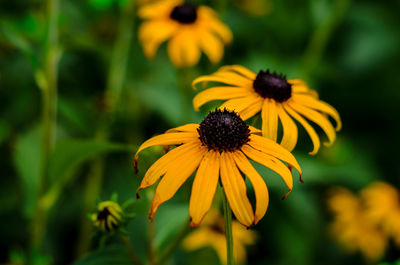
pixel 318 118
pixel 208 18
pixel 271 148
pixel 212 46
pixel 245 82
pixel 254 130
pixel 176 175
pixel 235 190
pixel 158 9
pixel 166 161
pixel 271 163
pixel 218 93
pixel 239 104
pixel 269 117
pixel 318 105
pixel 190 127
pixel 289 138
pixel 252 110
pixel 204 186
pixel 299 86
pixel 259 186
pixel 241 70
pixel 311 132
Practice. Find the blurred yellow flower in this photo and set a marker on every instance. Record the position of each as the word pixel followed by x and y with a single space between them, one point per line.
pixel 275 97
pixel 187 28
pixel 212 234
pixel 219 147
pixel 108 217
pixel 382 202
pixel 352 228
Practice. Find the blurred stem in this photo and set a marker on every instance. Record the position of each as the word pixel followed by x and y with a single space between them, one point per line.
pixel 185 86
pixel 322 35
pixel 48 86
pixel 151 247
pixel 115 84
pixel 228 229
pixel 129 248
pixel 174 244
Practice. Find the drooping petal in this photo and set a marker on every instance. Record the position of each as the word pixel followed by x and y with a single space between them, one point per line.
pixel 190 49
pixel 218 93
pixel 318 118
pixel 166 161
pixel 239 104
pixel 235 190
pixel 208 18
pixel 252 110
pixel 158 9
pixel 204 186
pixel 301 87
pixel 190 127
pixel 176 175
pixel 318 105
pixel 174 49
pixel 211 45
pixel 271 148
pixel 259 186
pixel 311 132
pixel 241 70
pixel 269 117
pixel 168 139
pixel 289 138
pixel 271 163
pixel 221 79
pixel 245 82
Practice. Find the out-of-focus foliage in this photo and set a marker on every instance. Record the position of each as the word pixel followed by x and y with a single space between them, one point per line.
pixel 346 50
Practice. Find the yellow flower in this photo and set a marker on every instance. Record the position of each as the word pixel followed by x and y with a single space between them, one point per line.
pixel 275 97
pixel 219 147
pixel 382 202
pixel 212 233
pixel 351 226
pixel 187 28
pixel 108 217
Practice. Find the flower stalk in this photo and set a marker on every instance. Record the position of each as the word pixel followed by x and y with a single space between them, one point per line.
pixel 228 229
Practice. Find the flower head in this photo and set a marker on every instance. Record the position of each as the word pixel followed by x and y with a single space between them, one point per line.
pixel 219 148
pixel 108 217
pixel 212 233
pixel 277 98
pixel 189 29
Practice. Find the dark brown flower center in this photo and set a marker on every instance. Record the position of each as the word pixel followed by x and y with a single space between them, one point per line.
pixel 223 131
pixel 272 85
pixel 185 13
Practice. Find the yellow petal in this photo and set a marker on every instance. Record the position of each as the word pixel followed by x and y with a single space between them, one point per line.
pixel 300 87
pixel 208 18
pixel 218 93
pixel 245 82
pixel 168 139
pixel 224 79
pixel 318 118
pixel 318 105
pixel 189 48
pixel 239 104
pixel 198 238
pixel 235 190
pixel 174 49
pixel 158 9
pixel 269 117
pixel 259 186
pixel 311 132
pixel 166 161
pixel 254 130
pixel 176 175
pixel 211 45
pixel 190 127
pixel 252 110
pixel 204 186
pixel 271 163
pixel 289 138
pixel 241 70
pixel 271 148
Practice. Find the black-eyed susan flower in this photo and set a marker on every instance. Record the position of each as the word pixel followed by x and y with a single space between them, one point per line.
pixel 189 29
pixel 352 228
pixel 108 217
pixel 212 234
pixel 219 148
pixel 277 98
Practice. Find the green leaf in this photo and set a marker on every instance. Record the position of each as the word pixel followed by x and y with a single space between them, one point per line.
pixel 27 160
pixel 115 255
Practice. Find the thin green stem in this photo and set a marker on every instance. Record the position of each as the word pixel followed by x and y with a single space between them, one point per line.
pixel 228 229
pixel 151 246
pixel 322 35
pixel 174 244
pixel 48 88
pixel 115 84
pixel 129 248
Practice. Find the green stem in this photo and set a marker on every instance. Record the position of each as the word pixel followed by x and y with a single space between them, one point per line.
pixel 228 229
pixel 322 35
pixel 115 84
pixel 129 248
pixel 174 244
pixel 151 247
pixel 49 100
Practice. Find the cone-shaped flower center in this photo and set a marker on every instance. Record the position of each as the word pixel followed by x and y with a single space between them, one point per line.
pixel 272 85
pixel 103 214
pixel 185 13
pixel 223 131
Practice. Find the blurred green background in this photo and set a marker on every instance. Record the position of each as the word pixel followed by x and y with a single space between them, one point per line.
pixel 346 50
